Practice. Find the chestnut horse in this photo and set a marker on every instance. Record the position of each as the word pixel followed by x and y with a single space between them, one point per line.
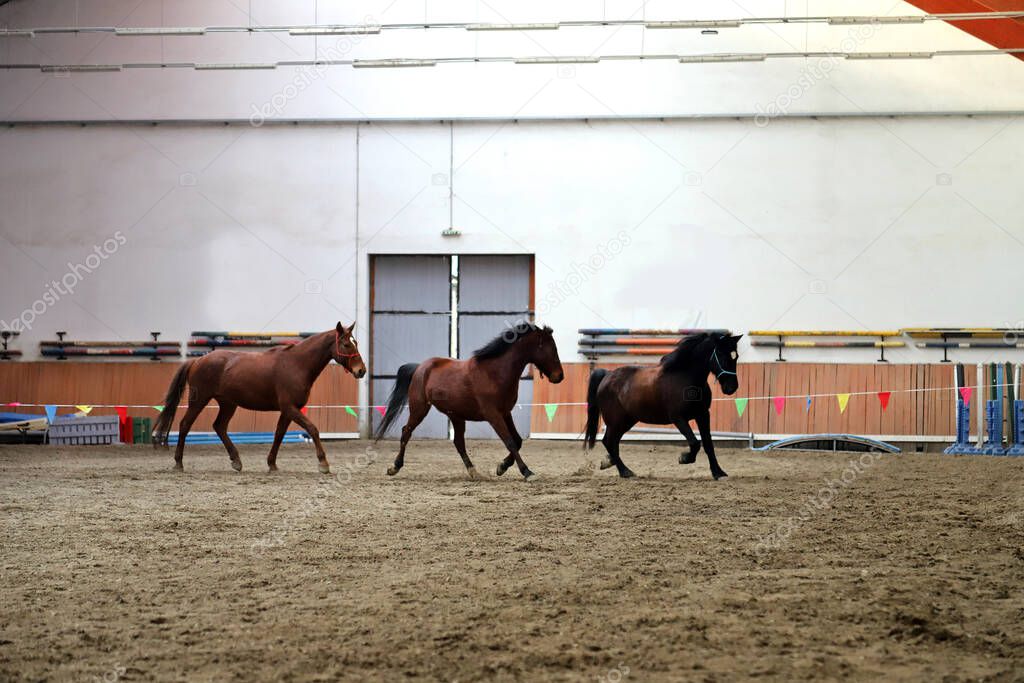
pixel 673 392
pixel 481 389
pixel 277 379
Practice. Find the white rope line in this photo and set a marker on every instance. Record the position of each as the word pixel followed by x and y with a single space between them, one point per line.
pixel 17 404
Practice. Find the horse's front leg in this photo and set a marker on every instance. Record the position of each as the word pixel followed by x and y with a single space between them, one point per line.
pixel 300 419
pixel 704 425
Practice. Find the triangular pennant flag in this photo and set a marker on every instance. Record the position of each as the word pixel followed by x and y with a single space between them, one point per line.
pixel 14 404
pixel 51 413
pixel 883 398
pixel 348 409
pixel 807 407
pixel 305 410
pixel 122 413
pixel 780 403
pixel 741 405
pixel 965 393
pixel 158 409
pixel 84 409
pixel 843 400
pixel 382 410
pixel 551 409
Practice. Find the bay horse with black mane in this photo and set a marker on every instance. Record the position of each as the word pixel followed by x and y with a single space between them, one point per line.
pixel 483 388
pixel 673 392
pixel 277 379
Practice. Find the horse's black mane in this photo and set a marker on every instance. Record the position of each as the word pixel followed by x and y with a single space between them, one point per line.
pixel 683 356
pixel 506 340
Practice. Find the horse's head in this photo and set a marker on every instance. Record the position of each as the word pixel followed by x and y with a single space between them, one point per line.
pixel 542 352
pixel 344 351
pixel 723 362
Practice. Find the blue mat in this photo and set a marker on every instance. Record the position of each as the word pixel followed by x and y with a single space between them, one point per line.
pixel 238 437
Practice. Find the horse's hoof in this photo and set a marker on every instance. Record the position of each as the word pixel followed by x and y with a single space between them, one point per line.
pixel 271 468
pixel 687 458
pixel 720 474
pixel 472 473
pixel 528 475
pixel 626 473
pixel 501 470
pixel 324 468
pixel 606 463
pixel 236 465
pixel 392 471
pixel 177 467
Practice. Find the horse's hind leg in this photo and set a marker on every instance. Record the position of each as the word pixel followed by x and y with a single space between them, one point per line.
pixel 510 458
pixel 220 425
pixel 613 433
pixel 195 406
pixel 704 425
pixel 418 410
pixel 460 445
pixel 282 427
pixel 683 425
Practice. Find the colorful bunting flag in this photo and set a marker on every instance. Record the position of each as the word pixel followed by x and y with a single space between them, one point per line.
pixel 122 413
pixel 51 413
pixel 883 398
pixel 551 409
pixel 843 400
pixel 382 410
pixel 780 403
pixel 85 410
pixel 158 409
pixel 14 404
pixel 807 408
pixel 965 393
pixel 741 405
pixel 305 410
pixel 348 409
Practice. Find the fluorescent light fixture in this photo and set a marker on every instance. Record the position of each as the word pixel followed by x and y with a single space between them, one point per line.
pixel 184 31
pixel 847 21
pixel 384 63
pixel 16 33
pixel 335 31
pixel 711 23
pixel 557 60
pixel 701 59
pixel 890 55
pixel 511 27
pixel 78 68
pixel 235 67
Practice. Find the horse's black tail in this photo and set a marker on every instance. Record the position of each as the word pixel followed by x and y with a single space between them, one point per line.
pixel 162 428
pixel 399 397
pixel 593 410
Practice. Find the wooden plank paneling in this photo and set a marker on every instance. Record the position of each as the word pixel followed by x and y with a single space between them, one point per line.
pixel 145 383
pixel 910 412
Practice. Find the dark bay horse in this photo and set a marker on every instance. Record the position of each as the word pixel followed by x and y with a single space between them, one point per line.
pixel 673 392
pixel 277 379
pixel 481 389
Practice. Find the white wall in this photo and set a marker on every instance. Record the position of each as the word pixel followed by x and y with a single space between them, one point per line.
pixel 836 223
pixel 654 88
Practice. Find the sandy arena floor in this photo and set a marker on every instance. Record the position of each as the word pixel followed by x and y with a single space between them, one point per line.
pixel 114 568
